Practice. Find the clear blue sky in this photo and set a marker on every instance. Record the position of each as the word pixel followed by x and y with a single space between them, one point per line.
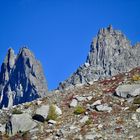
pixel 59 32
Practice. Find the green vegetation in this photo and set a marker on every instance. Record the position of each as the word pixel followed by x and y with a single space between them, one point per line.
pixel 136 77
pixel 79 110
pixel 136 100
pixel 52 115
pixel 88 122
pixel 16 111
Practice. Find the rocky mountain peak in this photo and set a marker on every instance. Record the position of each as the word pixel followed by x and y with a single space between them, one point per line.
pixel 21 78
pixel 110 53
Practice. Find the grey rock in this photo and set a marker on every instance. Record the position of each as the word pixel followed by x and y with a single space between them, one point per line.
pixel 51 122
pixel 22 122
pixel 128 90
pixel 103 107
pixel 110 53
pixel 43 111
pixel 58 110
pixel 84 119
pixel 21 78
pixel 73 103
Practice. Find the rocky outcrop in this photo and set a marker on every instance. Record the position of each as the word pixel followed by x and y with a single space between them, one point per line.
pixel 110 53
pixel 21 78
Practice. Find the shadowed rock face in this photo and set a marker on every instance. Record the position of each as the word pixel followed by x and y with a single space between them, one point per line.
pixel 21 78
pixel 110 53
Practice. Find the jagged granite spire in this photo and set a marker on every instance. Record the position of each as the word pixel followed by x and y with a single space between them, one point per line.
pixel 110 53
pixel 21 78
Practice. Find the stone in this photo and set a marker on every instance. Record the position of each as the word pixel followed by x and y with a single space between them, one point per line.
pixel 98 102
pixel 73 103
pixel 128 90
pixel 39 102
pixel 134 117
pixel 138 110
pixel 84 119
pixel 110 54
pixel 51 122
pixel 43 111
pixel 103 107
pixel 80 98
pixel 21 78
pixel 92 136
pixel 22 122
pixel 89 98
pixel 58 110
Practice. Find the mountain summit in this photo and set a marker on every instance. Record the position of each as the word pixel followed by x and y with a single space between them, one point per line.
pixel 110 53
pixel 21 78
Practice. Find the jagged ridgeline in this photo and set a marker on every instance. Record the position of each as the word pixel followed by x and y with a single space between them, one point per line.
pixel 21 78
pixel 110 53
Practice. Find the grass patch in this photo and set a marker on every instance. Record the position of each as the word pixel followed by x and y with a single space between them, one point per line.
pixel 136 100
pixel 16 111
pixel 52 115
pixel 79 110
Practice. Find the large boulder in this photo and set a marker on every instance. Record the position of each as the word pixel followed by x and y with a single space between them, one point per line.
pixel 126 91
pixel 43 111
pixel 22 122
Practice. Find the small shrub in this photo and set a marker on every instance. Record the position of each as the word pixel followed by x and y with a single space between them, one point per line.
pixel 88 122
pixel 136 77
pixel 133 108
pixel 136 100
pixel 16 111
pixel 79 110
pixel 52 115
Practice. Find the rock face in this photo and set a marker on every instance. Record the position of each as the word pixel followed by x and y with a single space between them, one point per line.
pixel 110 53
pixel 21 78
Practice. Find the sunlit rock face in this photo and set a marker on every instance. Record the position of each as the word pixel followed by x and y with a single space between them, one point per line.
pixel 110 53
pixel 21 78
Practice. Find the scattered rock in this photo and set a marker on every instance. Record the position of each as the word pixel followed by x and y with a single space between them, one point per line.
pixel 51 122
pixel 43 111
pixel 73 103
pixel 138 110
pixel 103 107
pixel 58 110
pixel 98 102
pixel 84 119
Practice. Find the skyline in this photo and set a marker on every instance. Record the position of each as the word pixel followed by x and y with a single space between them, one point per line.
pixel 60 33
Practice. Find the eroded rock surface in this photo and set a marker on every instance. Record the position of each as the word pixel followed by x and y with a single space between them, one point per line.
pixel 21 78
pixel 110 53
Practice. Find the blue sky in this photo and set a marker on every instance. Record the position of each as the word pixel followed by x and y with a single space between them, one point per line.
pixel 59 32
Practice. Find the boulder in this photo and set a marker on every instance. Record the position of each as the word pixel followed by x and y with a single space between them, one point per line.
pixel 51 122
pixel 98 102
pixel 103 107
pixel 84 119
pixel 58 110
pixel 43 111
pixel 80 98
pixel 126 91
pixel 73 103
pixel 22 122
